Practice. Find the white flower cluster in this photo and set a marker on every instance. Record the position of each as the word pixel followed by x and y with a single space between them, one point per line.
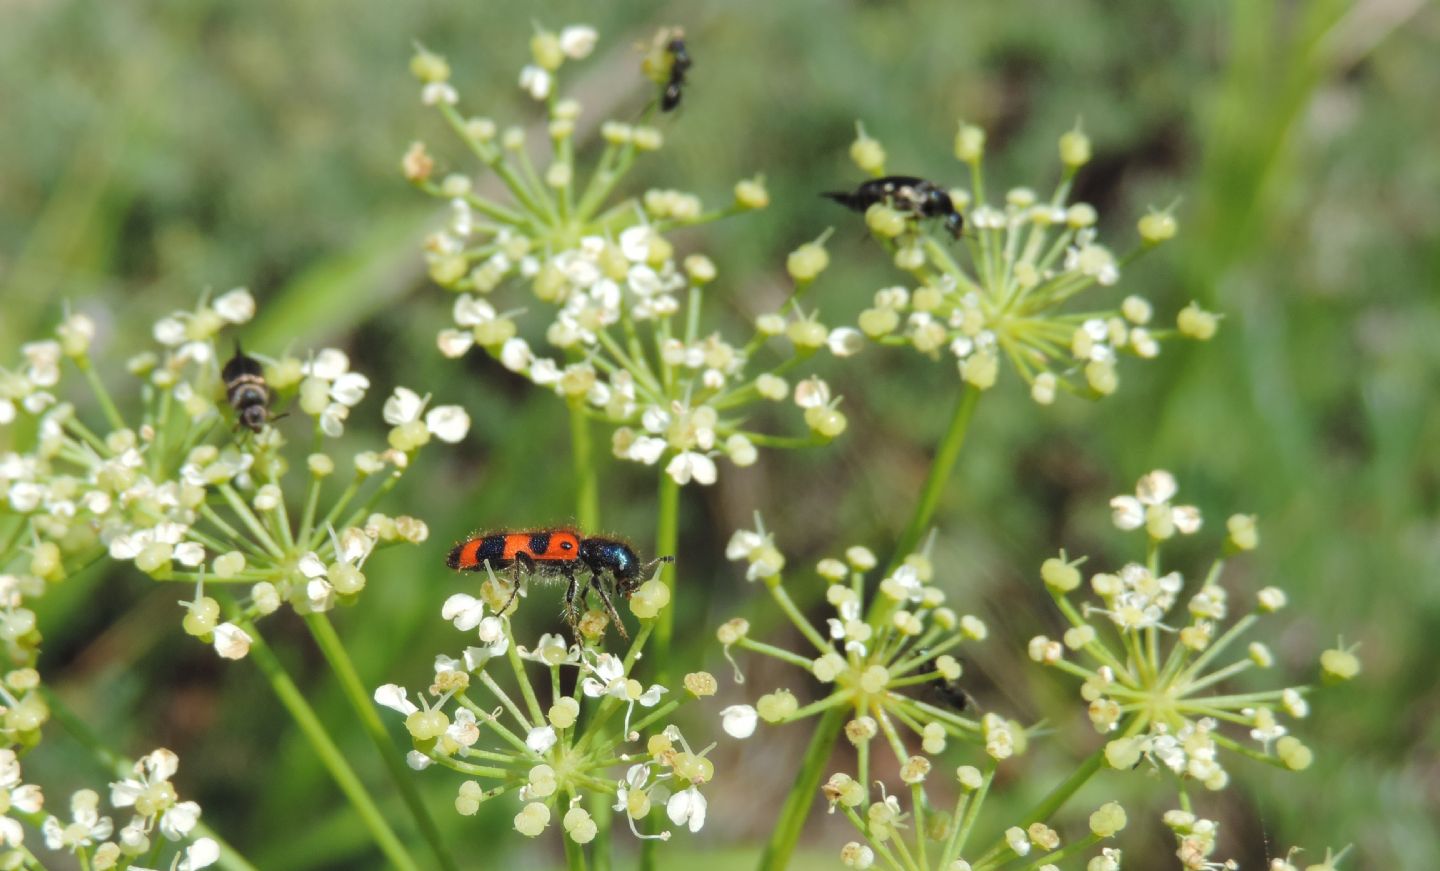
pixel 184 497
pixel 1155 682
pixel 545 754
pixel 625 341
pixel 155 805
pixel 868 653
pixel 1029 258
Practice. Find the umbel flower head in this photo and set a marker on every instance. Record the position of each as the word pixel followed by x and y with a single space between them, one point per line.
pixel 186 493
pixel 888 662
pixel 871 657
pixel 156 806
pixel 1014 297
pixel 622 308
pixel 528 737
pixel 1153 651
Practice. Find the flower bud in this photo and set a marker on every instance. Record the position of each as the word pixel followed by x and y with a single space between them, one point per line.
pixel 884 221
pixel 868 154
pixel 1338 665
pixel 969 143
pixel 1059 576
pixel 545 48
pixel 423 725
pixel 429 67
pixel 1196 323
pixel 647 601
pixel 1157 227
pixel 750 193
pixel 532 819
pixel 201 617
pixel 807 261
pixel 1109 819
pixel 1075 149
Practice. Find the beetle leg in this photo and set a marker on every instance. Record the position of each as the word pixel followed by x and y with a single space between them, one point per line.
pixel 572 612
pixel 599 585
pixel 522 561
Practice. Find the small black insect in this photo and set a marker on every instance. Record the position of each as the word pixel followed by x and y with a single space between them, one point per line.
pixel 921 198
pixel 951 693
pixel 246 391
pixel 679 65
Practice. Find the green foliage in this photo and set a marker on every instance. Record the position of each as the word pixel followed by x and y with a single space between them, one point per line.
pixel 155 149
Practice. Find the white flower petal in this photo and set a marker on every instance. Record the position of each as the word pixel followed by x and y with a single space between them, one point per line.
pixel 689 465
pixel 235 307
pixel 687 807
pixel 403 406
pixel 578 40
pixel 201 854
pixel 465 611
pixel 395 697
pixel 329 364
pixel 449 423
pixel 179 820
pixel 310 566
pixel 535 81
pixel 845 341
pixel 349 388
pixel 739 721
pixel 1127 512
pixel 232 642
pixel 541 739
pixel 158 764
pixel 1157 488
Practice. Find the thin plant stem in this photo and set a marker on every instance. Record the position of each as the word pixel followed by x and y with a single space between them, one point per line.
pixel 326 638
pixel 797 804
pixel 945 456
pixel 667 538
pixel 107 405
pixel 586 475
pixel 330 755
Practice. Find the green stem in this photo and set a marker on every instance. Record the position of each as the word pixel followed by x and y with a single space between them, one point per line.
pixel 802 795
pixel 107 405
pixel 120 767
pixel 323 631
pixel 945 457
pixel 601 812
pixel 330 755
pixel 667 534
pixel 667 537
pixel 587 487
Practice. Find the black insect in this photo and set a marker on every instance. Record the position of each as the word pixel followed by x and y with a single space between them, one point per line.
pixel 560 553
pixel 921 198
pixel 246 391
pixel 951 693
pixel 679 65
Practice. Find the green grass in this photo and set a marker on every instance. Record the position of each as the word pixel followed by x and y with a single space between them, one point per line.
pixel 155 152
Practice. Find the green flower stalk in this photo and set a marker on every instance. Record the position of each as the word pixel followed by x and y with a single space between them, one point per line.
pixel 624 318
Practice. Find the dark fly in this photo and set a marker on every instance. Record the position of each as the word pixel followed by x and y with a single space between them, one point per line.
pixel 246 391
pixel 916 196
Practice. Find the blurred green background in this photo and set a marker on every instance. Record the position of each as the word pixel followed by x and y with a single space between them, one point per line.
pixel 154 150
